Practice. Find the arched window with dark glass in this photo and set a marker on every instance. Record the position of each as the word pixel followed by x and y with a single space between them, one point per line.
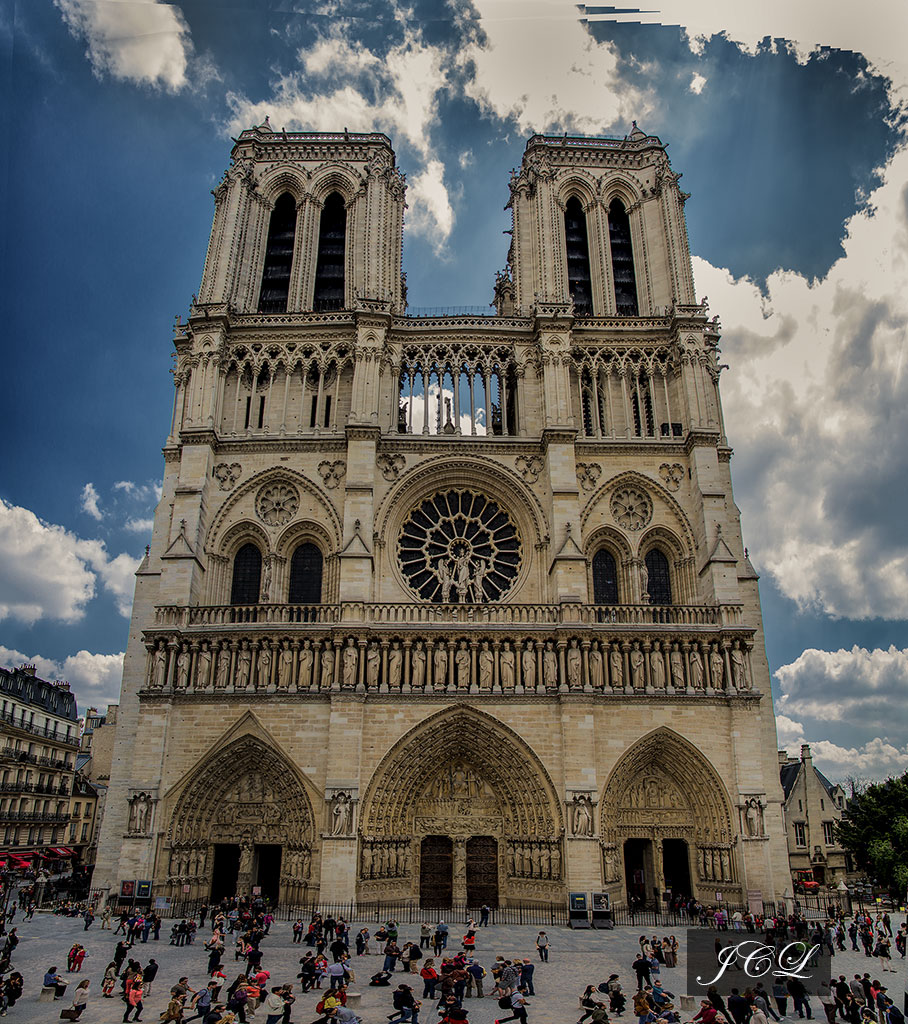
pixel 329 267
pixel 305 575
pixel 658 582
pixel 247 575
pixel 278 256
pixel 578 257
pixel 605 578
pixel 619 236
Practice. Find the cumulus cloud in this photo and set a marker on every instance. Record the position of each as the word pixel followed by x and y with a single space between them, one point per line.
pixel 138 525
pixel 855 696
pixel 343 84
pixel 144 42
pixel 94 678
pixel 541 66
pixel 46 572
pixel 697 83
pixel 818 388
pixel 90 501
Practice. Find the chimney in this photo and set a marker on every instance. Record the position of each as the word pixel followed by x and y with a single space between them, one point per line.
pixel 783 757
pixel 28 670
pixel 805 752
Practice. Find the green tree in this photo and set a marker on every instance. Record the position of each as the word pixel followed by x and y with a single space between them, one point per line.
pixel 874 828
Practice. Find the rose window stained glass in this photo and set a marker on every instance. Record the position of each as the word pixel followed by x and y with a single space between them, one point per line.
pixel 459 547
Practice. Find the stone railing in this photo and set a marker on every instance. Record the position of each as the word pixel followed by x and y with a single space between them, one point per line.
pixel 590 653
pixel 402 614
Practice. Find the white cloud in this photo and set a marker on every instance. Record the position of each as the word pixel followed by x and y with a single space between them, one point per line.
pixel 346 85
pixel 540 65
pixel 93 678
pixel 697 83
pixel 818 390
pixel 138 525
pixel 145 42
pixel 48 572
pixel 89 500
pixel 466 159
pixel 856 696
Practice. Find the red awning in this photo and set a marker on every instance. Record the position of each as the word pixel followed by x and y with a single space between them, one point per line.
pixel 18 861
pixel 61 851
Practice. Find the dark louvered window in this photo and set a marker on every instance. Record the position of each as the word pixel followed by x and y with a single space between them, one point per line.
pixel 619 233
pixel 659 583
pixel 247 575
pixel 578 257
pixel 306 575
pixel 329 269
pixel 278 256
pixel 605 578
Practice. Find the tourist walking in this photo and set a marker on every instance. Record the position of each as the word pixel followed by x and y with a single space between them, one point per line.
pixel 134 1001
pixel 518 1008
pixel 542 946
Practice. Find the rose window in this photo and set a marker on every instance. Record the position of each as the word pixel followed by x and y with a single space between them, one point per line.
pixel 277 504
pixel 631 508
pixel 459 546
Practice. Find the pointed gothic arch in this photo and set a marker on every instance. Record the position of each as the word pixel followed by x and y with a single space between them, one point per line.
pixel 244 793
pixel 664 799
pixel 455 776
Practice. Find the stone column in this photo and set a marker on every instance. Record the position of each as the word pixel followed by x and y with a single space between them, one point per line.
pixel 460 869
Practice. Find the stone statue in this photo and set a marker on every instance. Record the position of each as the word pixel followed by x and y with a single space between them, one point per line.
pixel 582 816
pixel 556 861
pixel 616 668
pixel 394 663
pixel 440 666
pixel 159 673
pixel 717 667
pixel 266 581
pixel 534 860
pixel 574 666
pixel 750 818
pixel 373 664
pixel 243 666
pixel 596 677
pixel 545 861
pixel 696 670
pixel 350 663
pixel 263 680
pixel 203 671
pixel 550 667
pixel 285 666
pixel 462 582
pixel 367 860
pixel 304 680
pixel 446 579
pixel 528 666
pixel 739 668
pixel 657 669
pixel 138 813
pixel 418 666
pixel 512 869
pixel 609 861
pixel 183 659
pixel 462 660
pixel 677 665
pixel 486 667
pixel 341 814
pixel 479 574
pixel 223 676
pixel 506 667
pixel 326 681
pixel 726 865
pixel 638 674
pixel 645 597
pixel 246 853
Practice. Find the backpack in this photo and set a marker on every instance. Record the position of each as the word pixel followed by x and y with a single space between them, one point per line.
pixel 320 1006
pixel 504 1003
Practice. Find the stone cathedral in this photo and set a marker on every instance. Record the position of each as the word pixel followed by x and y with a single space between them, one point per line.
pixel 446 608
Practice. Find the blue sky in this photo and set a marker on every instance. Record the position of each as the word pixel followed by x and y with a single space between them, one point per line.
pixel 787 123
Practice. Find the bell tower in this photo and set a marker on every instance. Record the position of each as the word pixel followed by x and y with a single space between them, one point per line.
pixel 599 221
pixel 306 222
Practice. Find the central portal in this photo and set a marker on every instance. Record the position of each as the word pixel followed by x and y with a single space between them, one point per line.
pixel 482 871
pixel 436 872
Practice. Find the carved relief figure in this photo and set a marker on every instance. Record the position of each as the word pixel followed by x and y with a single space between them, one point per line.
pixel 616 667
pixel 582 814
pixel 528 666
pixel 394 663
pixel 462 660
pixel 183 659
pixel 305 667
pixel 717 667
pixel 638 674
pixel 550 666
pixel 263 679
pixel 657 668
pixel 507 667
pixel 373 664
pixel 483 568
pixel 223 676
pixel 418 666
pixel 485 667
pixel 596 678
pixel 159 673
pixel 243 666
pixel 446 579
pixel 327 677
pixel 285 668
pixel 341 814
pixel 739 667
pixel 350 662
pixel 203 672
pixel 696 670
pixel 138 813
pixel 677 665
pixel 440 666
pixel 574 666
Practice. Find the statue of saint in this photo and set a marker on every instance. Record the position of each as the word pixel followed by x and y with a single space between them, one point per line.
pixel 263 679
pixel 341 814
pixel 440 665
pixel 717 667
pixel 446 579
pixel 351 658
pixel 482 570
pixel 486 667
pixel 373 664
pixel 677 663
pixel 223 676
pixel 395 657
pixel 243 666
pixel 285 666
pixel 159 673
pixel 583 815
pixel 462 660
pixel 657 669
pixel 739 668
pixel 506 667
pixel 418 666
pixel 574 666
pixel 596 677
pixel 304 680
pixel 638 674
pixel 616 668
pixel 138 813
pixel 203 671
pixel 183 659
pixel 326 681
pixel 528 666
pixel 696 670
pixel 550 666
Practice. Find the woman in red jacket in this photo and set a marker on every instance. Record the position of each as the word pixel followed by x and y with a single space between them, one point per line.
pixel 429 978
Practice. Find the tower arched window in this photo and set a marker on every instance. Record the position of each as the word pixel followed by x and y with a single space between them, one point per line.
pixel 278 256
pixel 329 267
pixel 619 235
pixel 306 575
pixel 578 257
pixel 605 578
pixel 247 575
pixel 658 582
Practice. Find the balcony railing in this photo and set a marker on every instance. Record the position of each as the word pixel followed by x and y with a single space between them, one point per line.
pixel 45 731
pixel 380 613
pixel 34 816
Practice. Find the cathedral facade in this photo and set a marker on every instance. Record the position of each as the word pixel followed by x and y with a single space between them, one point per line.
pixel 450 609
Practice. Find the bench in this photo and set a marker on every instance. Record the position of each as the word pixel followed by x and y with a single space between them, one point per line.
pixel 48 994
pixel 353 999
